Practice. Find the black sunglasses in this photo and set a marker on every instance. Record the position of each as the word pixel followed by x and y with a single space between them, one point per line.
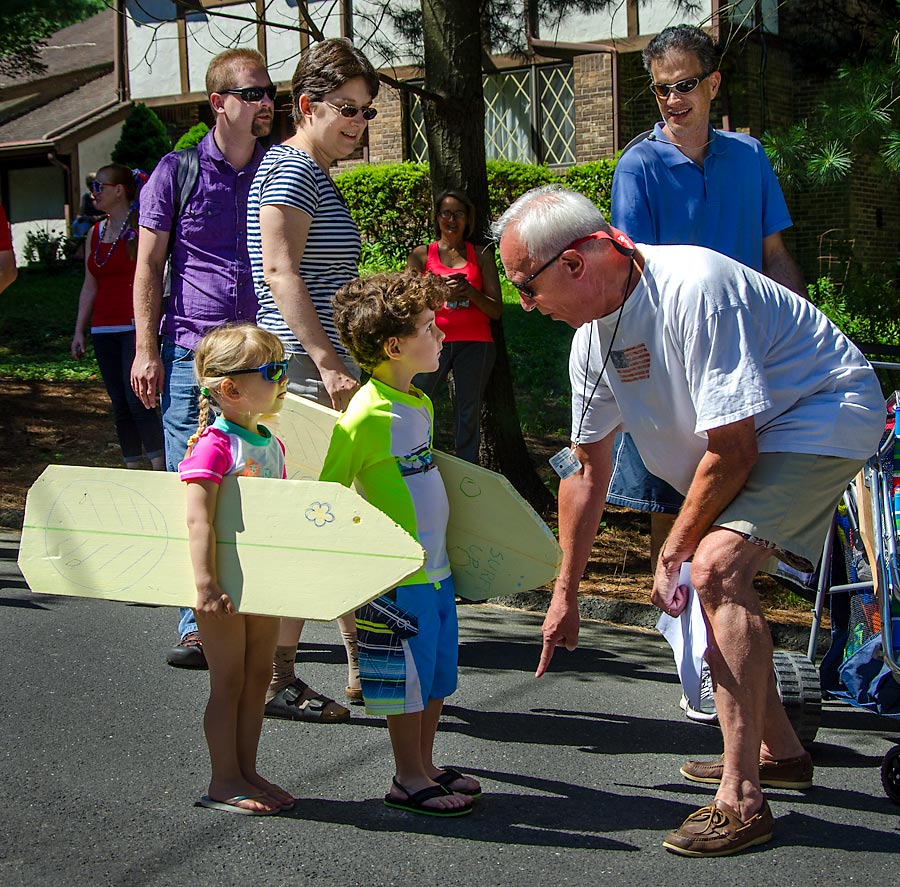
pixel 271 372
pixel 682 87
pixel 350 111
pixel 253 93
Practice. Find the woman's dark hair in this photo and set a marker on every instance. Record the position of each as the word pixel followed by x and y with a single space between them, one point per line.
pixel 327 66
pixel 465 200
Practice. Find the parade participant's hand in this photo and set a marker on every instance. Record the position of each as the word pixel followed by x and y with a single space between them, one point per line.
pixel 667 594
pixel 78 346
pixel 340 387
pixel 212 601
pixel 147 378
pixel 560 629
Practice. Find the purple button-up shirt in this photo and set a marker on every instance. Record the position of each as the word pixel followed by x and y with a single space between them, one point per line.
pixel 211 281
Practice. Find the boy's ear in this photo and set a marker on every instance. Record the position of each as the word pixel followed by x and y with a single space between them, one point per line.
pixel 392 347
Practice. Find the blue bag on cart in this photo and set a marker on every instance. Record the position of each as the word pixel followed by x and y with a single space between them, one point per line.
pixel 868 680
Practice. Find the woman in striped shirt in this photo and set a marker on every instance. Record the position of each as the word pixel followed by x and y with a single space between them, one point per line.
pixel 303 246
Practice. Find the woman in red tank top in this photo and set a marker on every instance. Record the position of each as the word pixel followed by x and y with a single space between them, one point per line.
pixel 106 301
pixel 465 319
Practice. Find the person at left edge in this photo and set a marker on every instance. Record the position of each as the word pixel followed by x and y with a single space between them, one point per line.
pixel 8 270
pixel 211 283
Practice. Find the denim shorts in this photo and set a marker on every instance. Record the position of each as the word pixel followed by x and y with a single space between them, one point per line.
pixel 633 486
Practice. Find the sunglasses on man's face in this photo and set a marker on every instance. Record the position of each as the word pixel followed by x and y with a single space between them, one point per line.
pixel 271 372
pixel 253 93
pixel 682 87
pixel 350 111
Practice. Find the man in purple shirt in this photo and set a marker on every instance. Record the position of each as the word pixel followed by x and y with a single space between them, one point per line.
pixel 210 270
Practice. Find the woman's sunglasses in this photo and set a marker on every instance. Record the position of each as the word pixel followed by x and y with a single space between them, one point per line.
pixel 271 372
pixel 253 93
pixel 682 87
pixel 350 111
pixel 97 187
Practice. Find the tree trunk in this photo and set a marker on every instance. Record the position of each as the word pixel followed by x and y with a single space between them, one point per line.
pixel 454 126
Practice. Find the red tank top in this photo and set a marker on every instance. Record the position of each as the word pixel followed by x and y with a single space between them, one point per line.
pixel 468 323
pixel 115 279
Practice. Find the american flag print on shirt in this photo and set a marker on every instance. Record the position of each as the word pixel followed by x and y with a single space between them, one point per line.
pixel 632 364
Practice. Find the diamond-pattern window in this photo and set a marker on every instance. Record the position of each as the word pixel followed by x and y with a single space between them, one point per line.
pixel 507 116
pixel 557 119
pixel 529 117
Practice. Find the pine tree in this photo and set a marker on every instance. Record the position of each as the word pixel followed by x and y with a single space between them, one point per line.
pixel 143 141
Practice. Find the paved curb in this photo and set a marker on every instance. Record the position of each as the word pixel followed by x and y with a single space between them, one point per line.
pixel 630 613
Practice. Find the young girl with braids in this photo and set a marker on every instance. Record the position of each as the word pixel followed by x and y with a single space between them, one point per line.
pixel 106 301
pixel 241 368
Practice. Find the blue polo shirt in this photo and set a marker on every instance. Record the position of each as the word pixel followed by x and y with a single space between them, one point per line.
pixel 730 204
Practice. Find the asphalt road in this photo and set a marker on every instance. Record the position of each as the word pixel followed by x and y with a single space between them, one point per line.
pixel 102 757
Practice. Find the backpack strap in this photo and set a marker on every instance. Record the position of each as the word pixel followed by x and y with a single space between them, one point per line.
pixel 187 172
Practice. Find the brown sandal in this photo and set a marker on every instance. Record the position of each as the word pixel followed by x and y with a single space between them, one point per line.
pixel 299 702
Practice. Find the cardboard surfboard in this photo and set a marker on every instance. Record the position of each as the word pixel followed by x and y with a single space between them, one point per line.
pixel 284 547
pixel 496 541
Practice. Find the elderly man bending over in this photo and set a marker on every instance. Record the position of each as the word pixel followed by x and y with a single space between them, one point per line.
pixel 747 400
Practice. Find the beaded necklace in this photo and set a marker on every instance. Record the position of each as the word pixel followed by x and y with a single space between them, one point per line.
pixel 112 247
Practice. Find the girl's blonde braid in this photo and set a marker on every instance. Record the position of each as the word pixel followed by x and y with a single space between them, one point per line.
pixel 203 419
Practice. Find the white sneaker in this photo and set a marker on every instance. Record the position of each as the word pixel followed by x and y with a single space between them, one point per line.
pixel 705 713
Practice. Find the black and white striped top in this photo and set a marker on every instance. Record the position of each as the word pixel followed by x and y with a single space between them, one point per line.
pixel 288 176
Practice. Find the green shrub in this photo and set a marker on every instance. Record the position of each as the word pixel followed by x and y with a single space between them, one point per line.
pixel 192 137
pixel 143 141
pixel 508 180
pixel 44 249
pixel 391 205
pixel 391 202
pixel 866 308
pixel 594 180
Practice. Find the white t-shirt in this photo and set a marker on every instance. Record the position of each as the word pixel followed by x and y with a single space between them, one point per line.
pixel 705 341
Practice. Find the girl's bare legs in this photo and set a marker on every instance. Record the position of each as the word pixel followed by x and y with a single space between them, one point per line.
pixel 261 634
pixel 225 644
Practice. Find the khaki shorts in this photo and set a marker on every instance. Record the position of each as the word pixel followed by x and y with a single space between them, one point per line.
pixel 787 505
pixel 304 379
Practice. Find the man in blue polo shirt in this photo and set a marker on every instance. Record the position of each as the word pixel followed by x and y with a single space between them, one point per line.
pixel 687 183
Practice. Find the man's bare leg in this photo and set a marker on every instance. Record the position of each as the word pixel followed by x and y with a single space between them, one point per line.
pixel 740 657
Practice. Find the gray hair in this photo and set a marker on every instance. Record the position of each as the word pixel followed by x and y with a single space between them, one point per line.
pixel 548 219
pixel 682 38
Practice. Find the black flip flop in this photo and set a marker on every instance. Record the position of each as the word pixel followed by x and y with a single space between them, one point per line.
pixel 415 802
pixel 450 775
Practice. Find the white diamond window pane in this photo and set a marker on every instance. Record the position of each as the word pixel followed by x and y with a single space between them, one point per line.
pixel 418 142
pixel 507 117
pixel 557 115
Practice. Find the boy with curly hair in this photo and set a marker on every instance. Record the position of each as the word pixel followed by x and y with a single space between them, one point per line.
pixel 408 638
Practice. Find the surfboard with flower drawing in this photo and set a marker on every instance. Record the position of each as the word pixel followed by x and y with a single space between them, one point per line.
pixel 284 547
